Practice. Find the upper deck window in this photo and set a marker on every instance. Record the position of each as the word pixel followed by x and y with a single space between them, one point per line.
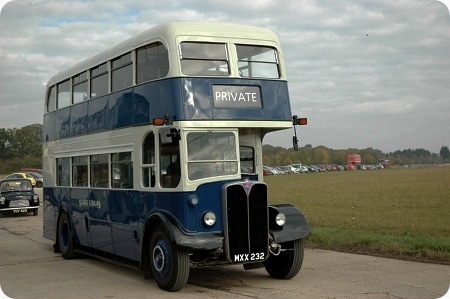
pixel 204 59
pixel 51 100
pixel 79 88
pixel 99 80
pixel 257 62
pixel 152 62
pixel 63 94
pixel 121 72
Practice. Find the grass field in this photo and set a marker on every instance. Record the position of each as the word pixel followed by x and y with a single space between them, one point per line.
pixel 402 212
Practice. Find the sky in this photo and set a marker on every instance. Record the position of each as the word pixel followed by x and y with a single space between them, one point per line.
pixel 366 74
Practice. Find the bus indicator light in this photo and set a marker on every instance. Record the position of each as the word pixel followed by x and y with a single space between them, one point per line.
pixel 301 121
pixel 158 122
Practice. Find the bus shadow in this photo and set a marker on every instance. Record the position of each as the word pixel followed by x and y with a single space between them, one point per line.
pixel 225 278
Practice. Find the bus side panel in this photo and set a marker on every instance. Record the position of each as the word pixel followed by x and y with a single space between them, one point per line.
pixel 62 123
pixel 160 98
pixel 49 127
pixel 121 109
pixel 180 99
pixel 126 208
pixel 76 201
pixel 99 225
pixel 98 115
pixel 51 206
pixel 78 119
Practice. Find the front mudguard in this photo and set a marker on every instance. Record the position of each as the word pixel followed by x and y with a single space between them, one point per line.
pixel 296 226
pixel 188 241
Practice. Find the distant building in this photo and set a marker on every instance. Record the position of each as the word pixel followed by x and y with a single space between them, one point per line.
pixel 353 159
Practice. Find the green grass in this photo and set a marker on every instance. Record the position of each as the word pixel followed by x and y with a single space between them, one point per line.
pixel 403 212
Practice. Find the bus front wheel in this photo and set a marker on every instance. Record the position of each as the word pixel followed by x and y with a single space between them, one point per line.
pixel 288 263
pixel 65 237
pixel 170 265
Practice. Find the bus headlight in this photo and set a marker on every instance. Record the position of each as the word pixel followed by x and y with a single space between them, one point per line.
pixel 280 219
pixel 209 218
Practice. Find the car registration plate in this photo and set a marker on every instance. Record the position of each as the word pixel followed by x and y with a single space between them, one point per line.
pixel 20 211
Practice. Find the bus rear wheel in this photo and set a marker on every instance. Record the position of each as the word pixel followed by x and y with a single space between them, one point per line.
pixel 170 265
pixel 288 263
pixel 65 237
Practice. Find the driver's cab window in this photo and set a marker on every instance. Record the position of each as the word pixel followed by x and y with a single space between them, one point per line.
pixel 211 154
pixel 247 158
pixel 170 169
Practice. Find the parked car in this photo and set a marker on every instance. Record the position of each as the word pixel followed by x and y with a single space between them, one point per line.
pixel 38 170
pixel 304 169
pixel 38 177
pixel 17 196
pixel 267 171
pixel 295 168
pixel 283 169
pixel 22 175
pixel 350 167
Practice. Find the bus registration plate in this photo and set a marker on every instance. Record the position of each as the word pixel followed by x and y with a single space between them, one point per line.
pixel 249 257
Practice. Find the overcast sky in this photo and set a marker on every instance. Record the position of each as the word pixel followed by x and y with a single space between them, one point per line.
pixel 372 73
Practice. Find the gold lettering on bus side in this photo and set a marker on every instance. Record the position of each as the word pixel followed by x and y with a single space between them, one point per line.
pixel 89 203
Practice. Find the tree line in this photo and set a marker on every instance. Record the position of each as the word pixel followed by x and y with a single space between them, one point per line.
pixel 22 147
pixel 321 155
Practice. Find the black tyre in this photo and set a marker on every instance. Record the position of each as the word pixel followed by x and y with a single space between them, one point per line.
pixel 170 266
pixel 36 212
pixel 288 263
pixel 39 184
pixel 65 237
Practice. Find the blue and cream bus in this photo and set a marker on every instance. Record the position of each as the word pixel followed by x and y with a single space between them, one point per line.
pixel 152 154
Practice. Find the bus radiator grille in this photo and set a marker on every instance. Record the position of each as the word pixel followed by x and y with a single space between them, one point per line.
pixel 246 225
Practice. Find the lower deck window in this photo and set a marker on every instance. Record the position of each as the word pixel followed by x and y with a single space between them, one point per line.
pixel 99 171
pixel 80 171
pixel 122 170
pixel 96 171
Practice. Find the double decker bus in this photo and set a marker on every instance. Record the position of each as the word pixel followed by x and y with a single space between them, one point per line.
pixel 152 154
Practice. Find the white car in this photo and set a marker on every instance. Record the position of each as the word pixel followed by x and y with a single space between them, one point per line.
pixel 295 168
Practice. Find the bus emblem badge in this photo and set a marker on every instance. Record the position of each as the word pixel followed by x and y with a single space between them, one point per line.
pixel 247 186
